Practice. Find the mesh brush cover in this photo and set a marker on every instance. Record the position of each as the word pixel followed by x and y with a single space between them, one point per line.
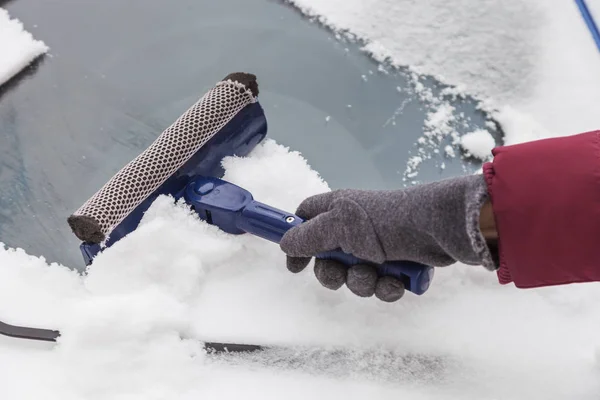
pixel 129 187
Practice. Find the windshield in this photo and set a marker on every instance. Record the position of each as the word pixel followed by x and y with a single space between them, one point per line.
pixel 104 94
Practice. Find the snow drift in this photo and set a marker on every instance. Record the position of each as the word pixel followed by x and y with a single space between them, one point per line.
pixel 132 328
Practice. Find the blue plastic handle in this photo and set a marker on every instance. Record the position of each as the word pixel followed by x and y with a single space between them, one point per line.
pixel 234 210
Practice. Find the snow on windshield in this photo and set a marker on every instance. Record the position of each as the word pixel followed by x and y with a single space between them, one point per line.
pixel 18 48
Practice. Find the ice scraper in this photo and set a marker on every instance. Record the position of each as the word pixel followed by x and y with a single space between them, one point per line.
pixel 185 162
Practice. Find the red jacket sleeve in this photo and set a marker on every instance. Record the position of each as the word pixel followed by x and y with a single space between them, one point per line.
pixel 546 201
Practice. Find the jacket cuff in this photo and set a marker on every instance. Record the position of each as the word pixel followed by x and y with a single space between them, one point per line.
pixel 476 197
pixel 545 197
pixel 502 271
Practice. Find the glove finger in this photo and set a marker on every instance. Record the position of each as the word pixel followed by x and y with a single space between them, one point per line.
pixel 315 205
pixel 362 280
pixel 389 289
pixel 297 264
pixel 330 274
pixel 312 237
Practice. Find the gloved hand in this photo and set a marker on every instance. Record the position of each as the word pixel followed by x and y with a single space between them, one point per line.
pixel 435 224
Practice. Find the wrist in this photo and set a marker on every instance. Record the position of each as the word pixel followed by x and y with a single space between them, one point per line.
pixel 481 225
pixel 487 222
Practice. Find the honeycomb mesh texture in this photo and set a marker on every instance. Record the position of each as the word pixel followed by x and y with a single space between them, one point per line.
pixel 177 144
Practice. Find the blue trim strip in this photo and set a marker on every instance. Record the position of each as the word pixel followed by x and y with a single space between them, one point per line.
pixel 589 20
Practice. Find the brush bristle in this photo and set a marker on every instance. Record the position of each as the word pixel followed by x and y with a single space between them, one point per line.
pixel 246 79
pixel 86 228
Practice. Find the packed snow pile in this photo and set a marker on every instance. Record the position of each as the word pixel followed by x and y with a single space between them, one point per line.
pixel 478 144
pixel 18 48
pixel 132 328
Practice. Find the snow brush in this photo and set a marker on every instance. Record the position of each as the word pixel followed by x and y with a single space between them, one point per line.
pixel 185 162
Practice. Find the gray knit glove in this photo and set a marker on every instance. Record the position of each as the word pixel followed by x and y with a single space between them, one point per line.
pixel 435 224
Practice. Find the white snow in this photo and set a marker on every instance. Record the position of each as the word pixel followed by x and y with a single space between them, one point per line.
pixel 449 150
pixel 532 61
pixel 478 143
pixel 438 122
pixel 18 48
pixel 132 326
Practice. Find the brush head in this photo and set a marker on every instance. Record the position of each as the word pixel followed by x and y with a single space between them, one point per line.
pixel 227 120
